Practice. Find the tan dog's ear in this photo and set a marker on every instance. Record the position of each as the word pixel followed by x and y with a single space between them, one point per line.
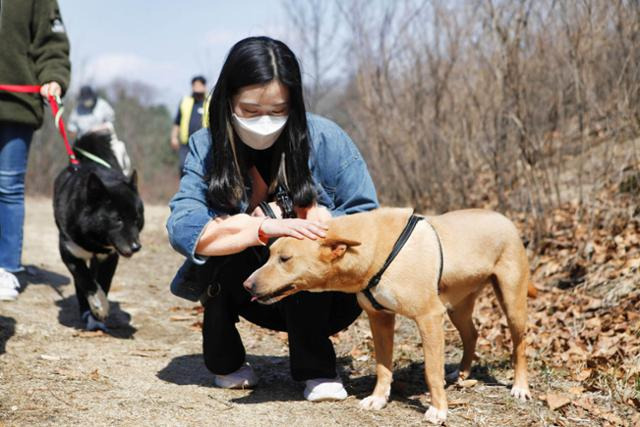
pixel 337 247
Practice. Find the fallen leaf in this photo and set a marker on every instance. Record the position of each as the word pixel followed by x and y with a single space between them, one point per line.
pixel 196 326
pixel 181 318
pixel 586 403
pixel 594 304
pixel 612 418
pixel 453 403
pixel 355 352
pixel 467 383
pixel 607 346
pixel 94 375
pixel 48 357
pixel 577 390
pixel 140 354
pixel 583 375
pixel 556 401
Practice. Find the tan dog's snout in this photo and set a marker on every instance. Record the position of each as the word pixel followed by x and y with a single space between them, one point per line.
pixel 266 293
pixel 250 283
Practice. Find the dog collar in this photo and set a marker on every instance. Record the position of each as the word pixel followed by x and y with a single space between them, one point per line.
pixel 397 247
pixel 93 157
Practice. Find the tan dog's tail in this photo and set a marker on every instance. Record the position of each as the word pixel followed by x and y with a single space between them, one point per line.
pixel 532 292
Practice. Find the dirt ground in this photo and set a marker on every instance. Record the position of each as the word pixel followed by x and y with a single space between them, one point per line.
pixel 149 370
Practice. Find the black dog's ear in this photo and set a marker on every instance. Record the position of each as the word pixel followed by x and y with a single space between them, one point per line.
pixel 133 180
pixel 95 188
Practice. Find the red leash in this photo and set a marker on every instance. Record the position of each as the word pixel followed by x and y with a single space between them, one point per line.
pixel 56 110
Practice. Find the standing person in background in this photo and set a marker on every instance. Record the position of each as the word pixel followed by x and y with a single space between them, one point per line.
pixel 34 50
pixel 189 118
pixel 93 114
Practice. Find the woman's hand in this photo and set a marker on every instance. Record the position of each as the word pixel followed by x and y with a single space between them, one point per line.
pixel 50 89
pixel 293 227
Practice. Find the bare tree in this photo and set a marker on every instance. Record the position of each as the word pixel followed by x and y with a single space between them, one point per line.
pixel 316 37
pixel 493 103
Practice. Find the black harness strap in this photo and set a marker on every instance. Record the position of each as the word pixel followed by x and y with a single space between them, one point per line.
pixel 284 202
pixel 397 247
pixel 266 209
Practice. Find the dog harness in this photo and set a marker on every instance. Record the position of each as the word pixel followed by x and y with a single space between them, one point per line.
pixel 92 157
pixel 397 247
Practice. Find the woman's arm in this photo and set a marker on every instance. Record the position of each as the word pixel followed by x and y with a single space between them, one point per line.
pixel 196 230
pixel 344 171
pixel 339 168
pixel 230 234
pixel 190 212
pixel 355 191
pixel 233 234
pixel 50 48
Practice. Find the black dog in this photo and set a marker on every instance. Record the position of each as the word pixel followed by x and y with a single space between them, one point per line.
pixel 99 215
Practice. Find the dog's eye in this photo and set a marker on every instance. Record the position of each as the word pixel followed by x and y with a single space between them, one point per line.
pixel 285 258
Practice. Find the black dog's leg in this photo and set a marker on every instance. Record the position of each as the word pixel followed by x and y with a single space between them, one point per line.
pixel 90 295
pixel 104 269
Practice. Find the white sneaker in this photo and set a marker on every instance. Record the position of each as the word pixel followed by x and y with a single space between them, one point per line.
pixel 322 389
pixel 9 286
pixel 244 377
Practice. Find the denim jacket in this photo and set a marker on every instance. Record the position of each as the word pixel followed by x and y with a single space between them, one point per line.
pixel 342 183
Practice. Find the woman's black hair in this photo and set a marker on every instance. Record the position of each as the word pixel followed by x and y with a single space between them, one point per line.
pixel 252 61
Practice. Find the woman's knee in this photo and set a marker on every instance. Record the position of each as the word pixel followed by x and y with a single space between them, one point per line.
pixel 12 186
pixel 344 311
pixel 320 313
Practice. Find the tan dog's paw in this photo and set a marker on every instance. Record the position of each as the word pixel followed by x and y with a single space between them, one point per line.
pixel 521 393
pixel 373 403
pixel 435 416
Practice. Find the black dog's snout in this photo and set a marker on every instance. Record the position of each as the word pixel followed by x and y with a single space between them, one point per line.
pixel 135 247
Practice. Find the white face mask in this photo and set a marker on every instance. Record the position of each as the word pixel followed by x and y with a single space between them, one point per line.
pixel 259 132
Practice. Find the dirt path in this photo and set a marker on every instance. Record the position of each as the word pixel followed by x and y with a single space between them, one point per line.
pixel 150 371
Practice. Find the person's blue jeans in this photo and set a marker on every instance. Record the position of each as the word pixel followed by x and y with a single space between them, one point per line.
pixel 14 151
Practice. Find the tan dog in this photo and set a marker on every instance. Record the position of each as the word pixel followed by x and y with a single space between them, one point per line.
pixel 480 247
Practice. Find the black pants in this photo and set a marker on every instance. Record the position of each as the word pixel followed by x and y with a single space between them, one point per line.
pixel 308 318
